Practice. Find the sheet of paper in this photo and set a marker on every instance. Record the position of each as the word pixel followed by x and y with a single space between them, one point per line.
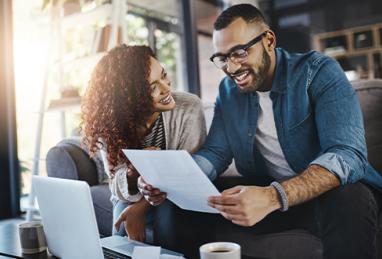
pixel 144 252
pixel 177 174
pixel 166 256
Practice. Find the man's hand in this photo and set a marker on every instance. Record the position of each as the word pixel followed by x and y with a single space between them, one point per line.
pixel 153 195
pixel 246 205
pixel 134 217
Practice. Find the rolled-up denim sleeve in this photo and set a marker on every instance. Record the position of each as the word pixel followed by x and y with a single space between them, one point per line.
pixel 339 124
pixel 206 166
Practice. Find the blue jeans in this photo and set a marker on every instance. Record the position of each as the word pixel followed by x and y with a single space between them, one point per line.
pixel 118 207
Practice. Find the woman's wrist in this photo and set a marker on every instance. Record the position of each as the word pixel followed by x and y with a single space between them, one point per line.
pixel 145 204
pixel 132 180
pixel 135 197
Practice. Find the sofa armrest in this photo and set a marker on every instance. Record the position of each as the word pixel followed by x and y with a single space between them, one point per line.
pixel 66 160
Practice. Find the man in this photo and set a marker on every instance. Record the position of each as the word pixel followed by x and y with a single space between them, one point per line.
pixel 293 123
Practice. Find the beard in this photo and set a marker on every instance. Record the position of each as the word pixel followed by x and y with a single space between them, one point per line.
pixel 259 77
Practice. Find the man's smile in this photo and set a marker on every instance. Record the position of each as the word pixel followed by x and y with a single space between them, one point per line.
pixel 242 78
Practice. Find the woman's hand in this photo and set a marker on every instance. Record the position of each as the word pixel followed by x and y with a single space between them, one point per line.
pixel 132 179
pixel 134 217
pixel 132 173
pixel 153 195
pixel 151 148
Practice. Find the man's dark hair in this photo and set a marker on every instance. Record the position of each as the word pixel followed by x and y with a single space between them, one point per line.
pixel 247 12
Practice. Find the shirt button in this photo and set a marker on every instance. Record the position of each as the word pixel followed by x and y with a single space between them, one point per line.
pixel 250 134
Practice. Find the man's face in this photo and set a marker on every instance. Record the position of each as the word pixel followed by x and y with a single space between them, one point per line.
pixel 251 74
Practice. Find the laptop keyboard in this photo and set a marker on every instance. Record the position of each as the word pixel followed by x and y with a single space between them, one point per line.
pixel 110 254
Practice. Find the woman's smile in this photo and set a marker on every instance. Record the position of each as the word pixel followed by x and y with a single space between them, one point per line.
pixel 167 99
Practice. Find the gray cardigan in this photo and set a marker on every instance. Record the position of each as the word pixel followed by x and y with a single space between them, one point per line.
pixel 185 128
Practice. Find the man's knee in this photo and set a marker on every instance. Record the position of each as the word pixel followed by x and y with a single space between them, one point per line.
pixel 348 200
pixel 348 221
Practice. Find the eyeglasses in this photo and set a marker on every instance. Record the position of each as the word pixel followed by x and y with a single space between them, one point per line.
pixel 238 54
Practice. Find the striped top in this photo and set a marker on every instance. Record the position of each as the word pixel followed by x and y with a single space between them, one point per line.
pixel 156 137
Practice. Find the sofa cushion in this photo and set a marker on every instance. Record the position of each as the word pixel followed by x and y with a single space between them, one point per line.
pixel 370 95
pixel 103 208
pixel 68 161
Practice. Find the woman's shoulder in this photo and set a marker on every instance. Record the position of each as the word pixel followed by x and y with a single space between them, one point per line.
pixel 184 100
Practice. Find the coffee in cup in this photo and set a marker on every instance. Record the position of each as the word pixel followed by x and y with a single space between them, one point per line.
pixel 220 250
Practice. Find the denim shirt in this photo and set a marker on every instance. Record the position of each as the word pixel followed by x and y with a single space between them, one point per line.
pixel 317 117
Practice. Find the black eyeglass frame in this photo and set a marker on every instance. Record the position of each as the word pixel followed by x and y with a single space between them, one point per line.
pixel 244 47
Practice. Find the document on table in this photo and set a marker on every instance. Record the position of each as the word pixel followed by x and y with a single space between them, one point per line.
pixel 177 174
pixel 144 252
pixel 152 252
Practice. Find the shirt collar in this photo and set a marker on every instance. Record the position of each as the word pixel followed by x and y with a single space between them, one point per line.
pixel 279 84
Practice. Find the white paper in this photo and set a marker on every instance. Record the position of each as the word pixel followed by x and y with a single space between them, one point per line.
pixel 177 174
pixel 166 256
pixel 144 252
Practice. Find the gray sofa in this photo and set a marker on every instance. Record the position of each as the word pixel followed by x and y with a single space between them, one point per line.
pixel 68 160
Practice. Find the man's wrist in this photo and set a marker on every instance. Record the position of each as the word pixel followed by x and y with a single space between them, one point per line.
pixel 281 195
pixel 275 203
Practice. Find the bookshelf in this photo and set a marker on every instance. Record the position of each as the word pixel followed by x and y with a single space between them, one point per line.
pixel 358 50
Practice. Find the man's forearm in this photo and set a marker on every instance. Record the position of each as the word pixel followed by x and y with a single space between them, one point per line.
pixel 314 181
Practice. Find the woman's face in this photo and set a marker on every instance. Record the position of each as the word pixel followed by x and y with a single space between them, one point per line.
pixel 161 87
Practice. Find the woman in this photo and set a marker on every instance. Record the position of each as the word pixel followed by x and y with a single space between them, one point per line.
pixel 129 104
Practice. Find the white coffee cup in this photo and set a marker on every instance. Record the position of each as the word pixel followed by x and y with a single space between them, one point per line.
pixel 220 250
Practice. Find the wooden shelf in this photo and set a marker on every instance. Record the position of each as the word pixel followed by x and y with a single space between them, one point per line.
pixel 87 18
pixel 64 104
pixel 358 49
pixel 81 63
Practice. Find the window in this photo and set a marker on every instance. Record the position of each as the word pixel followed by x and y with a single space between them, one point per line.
pixel 210 76
pixel 147 23
pixel 168 52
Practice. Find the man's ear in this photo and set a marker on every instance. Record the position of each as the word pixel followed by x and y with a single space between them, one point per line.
pixel 271 40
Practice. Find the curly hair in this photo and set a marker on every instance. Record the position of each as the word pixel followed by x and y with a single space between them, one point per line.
pixel 117 102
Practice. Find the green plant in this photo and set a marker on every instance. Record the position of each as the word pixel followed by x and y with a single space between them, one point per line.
pixel 24 169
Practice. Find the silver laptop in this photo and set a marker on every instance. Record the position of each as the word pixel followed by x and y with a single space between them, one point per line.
pixel 70 225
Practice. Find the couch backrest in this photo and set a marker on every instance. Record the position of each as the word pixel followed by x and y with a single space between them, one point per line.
pixel 370 95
